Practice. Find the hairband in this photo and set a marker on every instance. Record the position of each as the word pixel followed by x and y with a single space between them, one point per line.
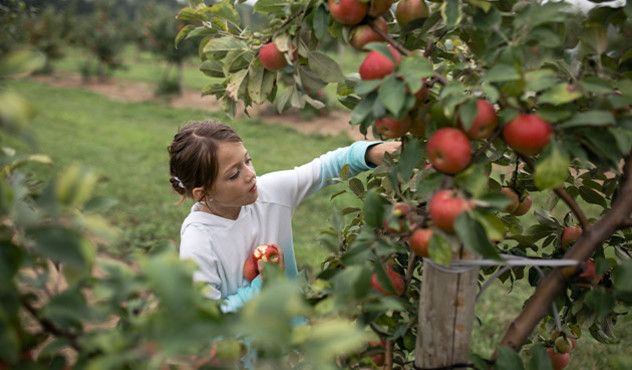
pixel 180 184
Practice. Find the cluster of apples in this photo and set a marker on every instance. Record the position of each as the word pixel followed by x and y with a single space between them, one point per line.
pixel 560 352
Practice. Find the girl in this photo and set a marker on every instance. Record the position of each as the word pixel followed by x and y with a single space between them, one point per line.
pixel 235 211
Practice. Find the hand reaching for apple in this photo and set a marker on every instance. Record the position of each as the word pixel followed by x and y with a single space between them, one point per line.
pixel 263 253
pixel 375 153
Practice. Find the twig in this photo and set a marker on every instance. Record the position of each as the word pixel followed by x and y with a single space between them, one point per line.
pixel 390 40
pixel 487 144
pixel 563 194
pixel 49 326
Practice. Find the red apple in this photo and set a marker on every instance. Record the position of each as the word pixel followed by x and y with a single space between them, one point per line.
pixel 524 206
pixel 397 280
pixel 348 12
pixel 364 34
pixel 379 7
pixel 444 207
pixel 513 198
pixel 484 122
pixel 527 134
pixel 271 58
pixel 378 359
pixel 391 127
pixel 399 212
pixel 264 253
pixel 419 241
pixel 589 273
pixel 558 360
pixel 570 234
pixel 410 10
pixel 376 65
pixel 449 150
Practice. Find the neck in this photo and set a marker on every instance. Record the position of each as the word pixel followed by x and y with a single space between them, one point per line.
pixel 230 213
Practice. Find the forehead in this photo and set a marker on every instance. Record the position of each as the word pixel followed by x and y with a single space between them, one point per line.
pixel 230 153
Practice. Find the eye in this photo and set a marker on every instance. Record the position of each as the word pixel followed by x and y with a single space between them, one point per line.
pixel 235 176
pixel 249 160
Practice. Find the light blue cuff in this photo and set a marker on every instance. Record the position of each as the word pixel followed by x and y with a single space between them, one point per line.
pixel 234 302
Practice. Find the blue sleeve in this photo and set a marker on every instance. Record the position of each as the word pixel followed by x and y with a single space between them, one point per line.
pixel 354 155
pixel 233 302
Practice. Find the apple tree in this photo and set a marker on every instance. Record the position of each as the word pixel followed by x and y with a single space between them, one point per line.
pixel 514 118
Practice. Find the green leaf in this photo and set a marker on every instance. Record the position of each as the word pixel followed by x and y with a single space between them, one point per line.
pixel 594 38
pixel 270 6
pixel 392 94
pixel 560 94
pixel 473 179
pixel 439 250
pixel 508 359
pixel 63 245
pixel 320 22
pixel 188 14
pixel 451 12
pixel 590 118
pixel 382 48
pixel 212 68
pixel 309 80
pixel 225 11
pixel 622 276
pixel 260 84
pixel 502 73
pixel 596 85
pixel 593 197
pixel 413 69
pixel 184 32
pixel 600 301
pixel 467 112
pixel 356 186
pixel 411 156
pixel 325 68
pixel 540 79
pixel 363 109
pixel 473 236
pixel 213 89
pixel 551 168
pixel 545 36
pixel 224 44
pixel 539 360
pixel 234 84
pixel 373 208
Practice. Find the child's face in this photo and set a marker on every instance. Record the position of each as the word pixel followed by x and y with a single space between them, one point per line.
pixel 236 183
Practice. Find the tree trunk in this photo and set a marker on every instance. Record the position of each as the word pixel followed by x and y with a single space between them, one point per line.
pixel 446 315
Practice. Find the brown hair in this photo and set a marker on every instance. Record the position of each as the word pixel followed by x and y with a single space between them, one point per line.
pixel 193 155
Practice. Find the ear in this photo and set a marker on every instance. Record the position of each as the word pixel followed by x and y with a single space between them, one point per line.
pixel 199 194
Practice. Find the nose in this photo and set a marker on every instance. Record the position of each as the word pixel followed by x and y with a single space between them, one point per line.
pixel 251 173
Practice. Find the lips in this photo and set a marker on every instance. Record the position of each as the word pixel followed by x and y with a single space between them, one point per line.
pixel 253 188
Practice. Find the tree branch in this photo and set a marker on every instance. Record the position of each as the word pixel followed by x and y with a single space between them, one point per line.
pixel 488 143
pixel 562 194
pixel 627 223
pixel 49 326
pixel 553 284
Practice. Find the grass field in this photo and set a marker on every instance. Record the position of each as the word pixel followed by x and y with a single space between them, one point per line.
pixel 126 144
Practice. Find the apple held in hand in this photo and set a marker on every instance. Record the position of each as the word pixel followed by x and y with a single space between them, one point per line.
pixel 264 253
pixel 527 134
pixel 444 207
pixel 449 150
pixel 393 128
pixel 376 65
pixel 484 122
pixel 397 280
pixel 348 12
